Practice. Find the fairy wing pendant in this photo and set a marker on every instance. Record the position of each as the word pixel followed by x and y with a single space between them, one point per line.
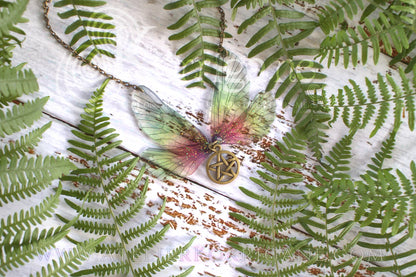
pixel 183 148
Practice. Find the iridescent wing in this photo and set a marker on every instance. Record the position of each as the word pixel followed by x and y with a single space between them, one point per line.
pixel 230 97
pixel 232 119
pixel 183 162
pixel 184 147
pixel 259 116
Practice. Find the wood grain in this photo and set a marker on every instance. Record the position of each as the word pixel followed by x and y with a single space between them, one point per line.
pixel 195 206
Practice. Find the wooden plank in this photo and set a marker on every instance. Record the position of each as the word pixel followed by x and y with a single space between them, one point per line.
pixel 191 210
pixel 148 58
pixel 145 56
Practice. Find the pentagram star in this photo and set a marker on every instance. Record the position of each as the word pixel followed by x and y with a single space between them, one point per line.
pixel 224 167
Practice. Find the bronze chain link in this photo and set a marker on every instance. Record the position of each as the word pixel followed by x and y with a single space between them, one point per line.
pixel 221 49
pixel 46 4
pixel 77 55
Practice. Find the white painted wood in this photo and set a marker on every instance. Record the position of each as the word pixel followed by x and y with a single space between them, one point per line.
pixel 145 56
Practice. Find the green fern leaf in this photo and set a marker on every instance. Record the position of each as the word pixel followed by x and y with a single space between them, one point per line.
pixel 276 211
pixel 25 143
pixel 21 116
pixel 92 29
pixel 14 83
pixel 111 180
pixel 70 260
pixel 163 262
pixel 12 15
pixel 22 177
pixel 26 244
pixel 200 52
pixel 334 14
pixel 366 105
pixel 35 215
pixel 22 235
pixel 387 30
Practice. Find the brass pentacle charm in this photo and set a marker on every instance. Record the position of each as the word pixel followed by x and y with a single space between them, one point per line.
pixel 222 166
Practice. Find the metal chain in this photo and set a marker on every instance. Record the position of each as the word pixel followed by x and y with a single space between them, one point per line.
pixel 46 3
pixel 221 48
pixel 77 55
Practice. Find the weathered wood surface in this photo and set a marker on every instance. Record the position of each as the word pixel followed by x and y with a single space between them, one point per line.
pixel 196 207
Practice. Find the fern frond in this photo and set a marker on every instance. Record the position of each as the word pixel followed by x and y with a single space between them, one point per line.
pixel 202 54
pixel 111 180
pixel 11 15
pixel 296 76
pixel 147 243
pixel 22 177
pixel 389 212
pixel 332 15
pixel 163 262
pixel 22 235
pixel 120 268
pixel 35 215
pixel 398 12
pixel 25 143
pixel 26 244
pixel 276 211
pixel 358 109
pixel 135 232
pixel 70 260
pixel 21 116
pixel 14 82
pixel 92 28
pixel 387 30
pixel 329 202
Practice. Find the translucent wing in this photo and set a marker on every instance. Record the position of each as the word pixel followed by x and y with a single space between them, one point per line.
pixel 260 116
pixel 230 97
pixel 184 146
pixel 252 124
pixel 180 163
pixel 232 119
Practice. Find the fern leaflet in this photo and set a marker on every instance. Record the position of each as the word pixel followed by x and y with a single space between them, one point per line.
pixel 21 116
pixel 201 52
pixel 14 82
pixel 357 108
pixel 332 15
pixel 11 13
pixel 70 260
pixel 325 220
pixel 386 30
pixel 92 27
pixel 276 211
pixel 282 31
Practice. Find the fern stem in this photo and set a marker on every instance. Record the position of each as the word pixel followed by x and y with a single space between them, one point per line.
pixel 274 223
pixel 110 208
pixel 396 266
pixel 279 33
pixel 374 103
pixel 201 39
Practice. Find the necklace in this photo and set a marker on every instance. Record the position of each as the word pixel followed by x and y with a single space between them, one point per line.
pixel 183 146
